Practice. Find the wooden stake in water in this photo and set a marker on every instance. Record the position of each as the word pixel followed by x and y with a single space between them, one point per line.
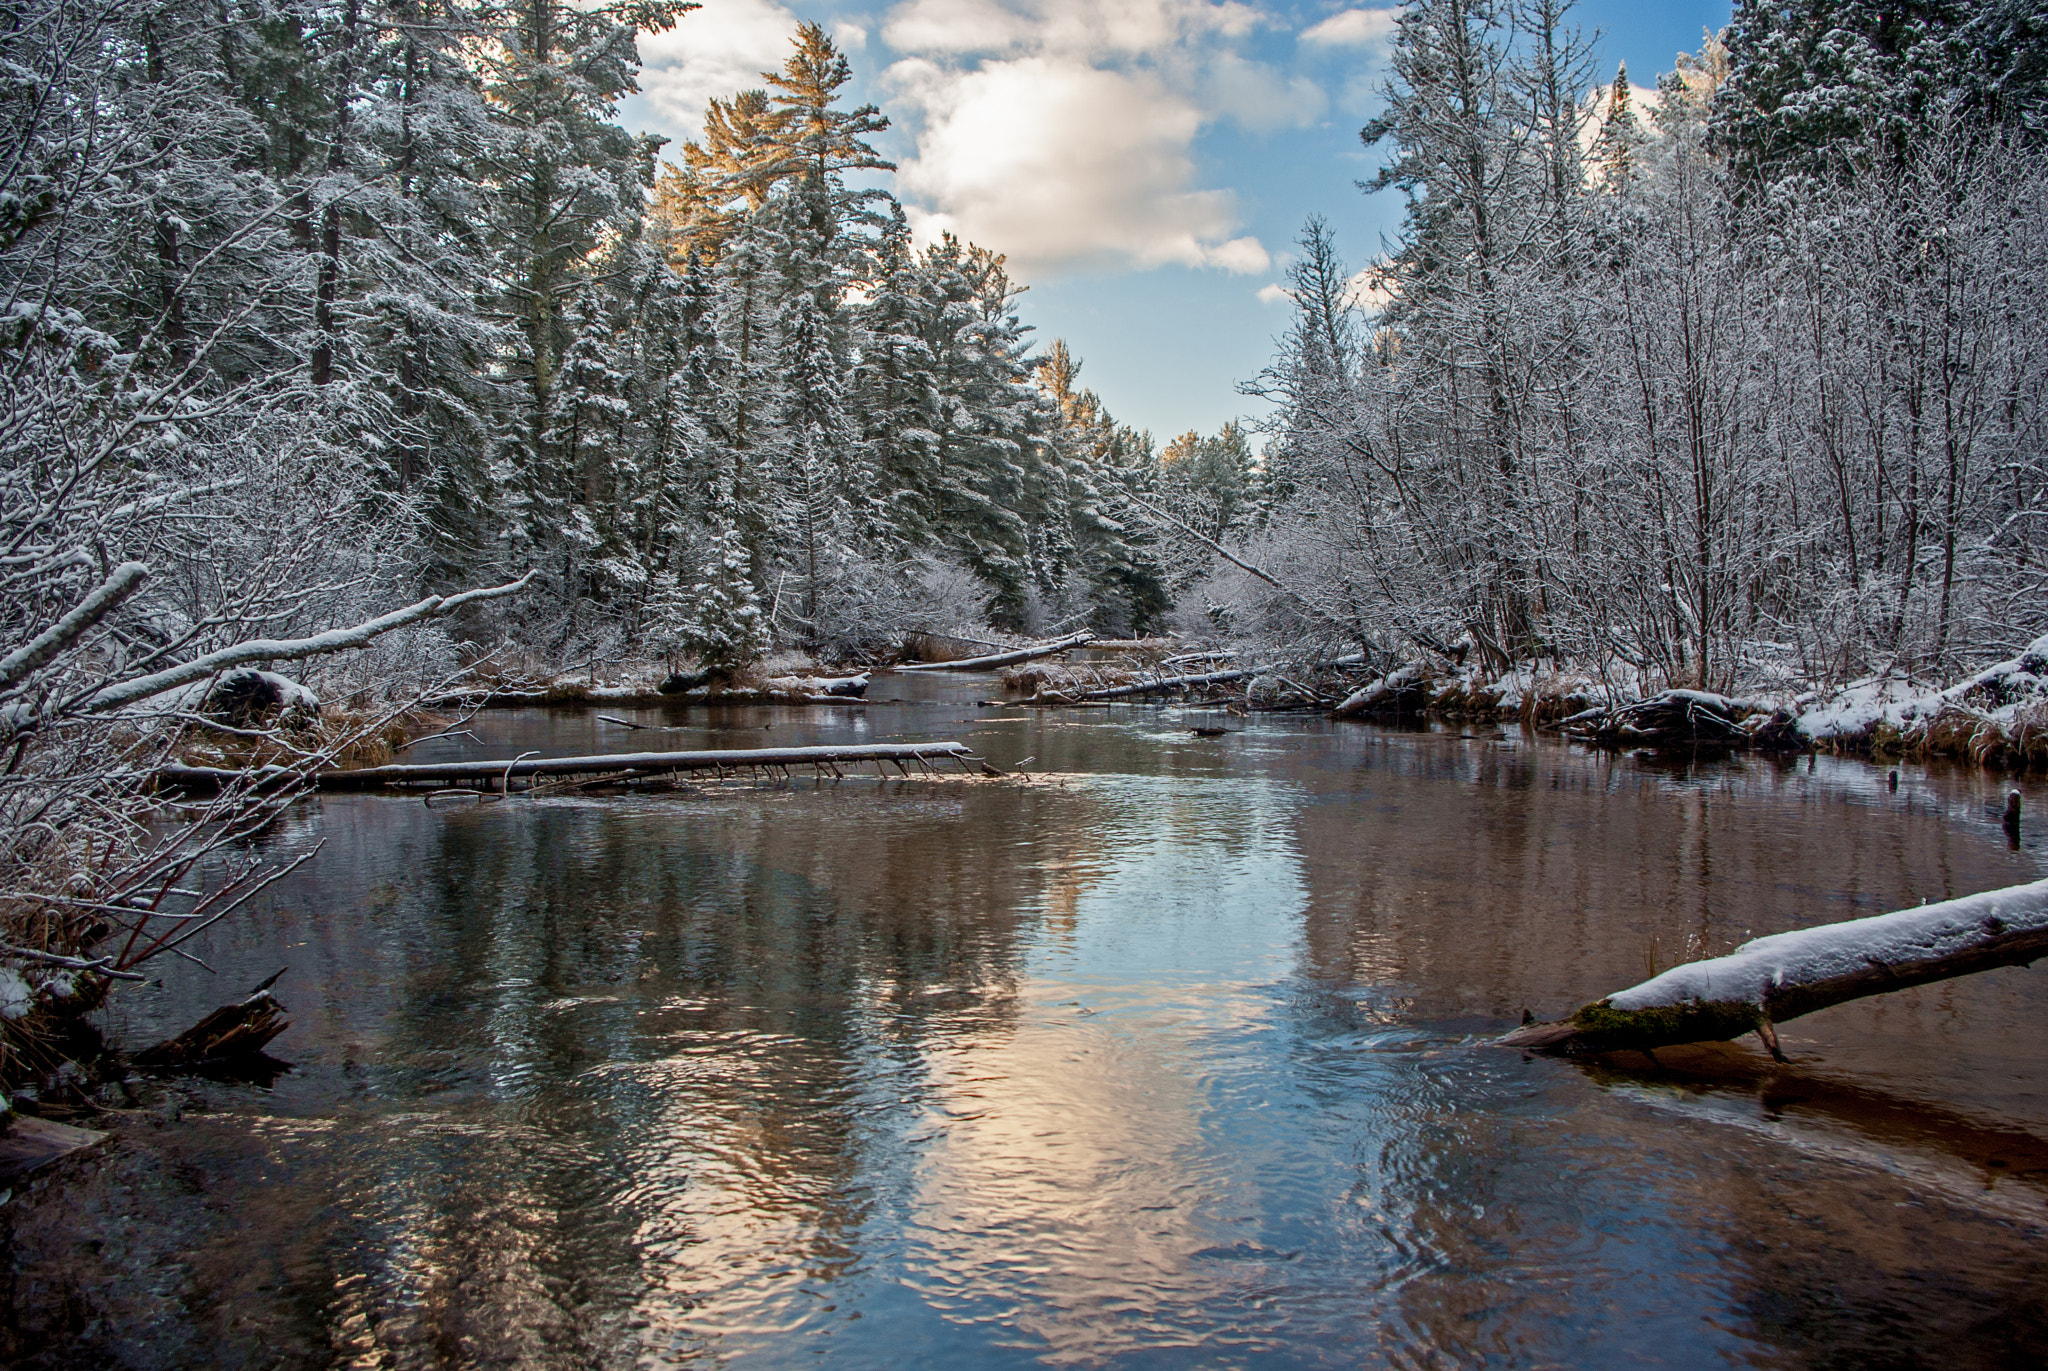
pixel 2012 812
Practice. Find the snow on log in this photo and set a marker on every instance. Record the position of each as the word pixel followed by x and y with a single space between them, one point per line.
pixel 608 763
pixel 1167 683
pixel 1670 718
pixel 1404 689
pixel 1770 980
pixel 810 689
pixel 292 649
pixel 1002 659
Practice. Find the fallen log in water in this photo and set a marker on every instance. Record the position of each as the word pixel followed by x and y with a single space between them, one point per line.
pixel 1002 659
pixel 1768 981
pixel 1404 691
pixel 232 1032
pixel 603 764
pixel 1162 684
pixel 1668 719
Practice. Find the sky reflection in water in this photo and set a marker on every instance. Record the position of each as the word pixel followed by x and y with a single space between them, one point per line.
pixel 1166 1058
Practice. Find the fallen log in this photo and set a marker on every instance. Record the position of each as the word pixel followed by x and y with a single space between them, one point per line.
pixel 1167 683
pixel 233 1032
pixel 620 763
pixel 27 1143
pixel 1172 683
pixel 1771 980
pixel 1002 659
pixel 1668 719
pixel 1404 691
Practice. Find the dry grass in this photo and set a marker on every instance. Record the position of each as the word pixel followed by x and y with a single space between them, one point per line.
pixel 351 736
pixel 1967 734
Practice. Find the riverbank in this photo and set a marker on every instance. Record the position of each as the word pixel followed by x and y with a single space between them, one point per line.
pixel 1995 718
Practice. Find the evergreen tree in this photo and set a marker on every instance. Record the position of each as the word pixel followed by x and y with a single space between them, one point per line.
pixel 564 179
pixel 725 626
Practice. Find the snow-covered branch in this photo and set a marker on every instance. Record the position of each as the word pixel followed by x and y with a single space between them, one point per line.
pixel 293 649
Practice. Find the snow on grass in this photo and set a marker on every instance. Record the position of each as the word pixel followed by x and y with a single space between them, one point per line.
pixel 16 999
pixel 1997 694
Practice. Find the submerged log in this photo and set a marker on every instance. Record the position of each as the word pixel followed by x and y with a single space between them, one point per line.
pixel 1002 659
pixel 614 763
pixel 1785 976
pixel 231 1033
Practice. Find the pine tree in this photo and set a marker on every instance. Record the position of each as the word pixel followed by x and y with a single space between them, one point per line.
pixel 1618 148
pixel 787 134
pixel 986 414
pixel 725 626
pixel 564 177
pixel 892 393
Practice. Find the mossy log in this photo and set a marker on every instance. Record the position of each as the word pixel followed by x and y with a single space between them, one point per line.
pixel 1772 980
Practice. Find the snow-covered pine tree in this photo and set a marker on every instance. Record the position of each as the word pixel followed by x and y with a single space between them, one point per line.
pixel 1090 540
pixel 588 466
pixel 986 416
pixel 751 390
pixel 891 393
pixel 824 485
pixel 723 623
pixel 564 182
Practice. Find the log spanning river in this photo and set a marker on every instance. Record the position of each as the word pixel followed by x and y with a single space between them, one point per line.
pixel 1171 1054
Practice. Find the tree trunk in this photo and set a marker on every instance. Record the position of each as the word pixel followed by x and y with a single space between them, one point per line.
pixel 1772 980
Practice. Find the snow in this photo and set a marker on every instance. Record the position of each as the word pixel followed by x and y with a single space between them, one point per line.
pixel 1856 710
pixel 290 694
pixel 294 649
pixel 16 999
pixel 1816 954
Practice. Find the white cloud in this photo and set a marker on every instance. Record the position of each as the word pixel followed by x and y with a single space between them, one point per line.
pixel 1258 97
pixel 1273 293
pixel 1368 290
pixel 714 51
pixel 1079 27
pixel 1055 163
pixel 1354 29
pixel 850 37
pixel 1061 132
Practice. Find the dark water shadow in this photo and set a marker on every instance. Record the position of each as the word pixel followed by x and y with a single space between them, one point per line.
pixel 1805 1091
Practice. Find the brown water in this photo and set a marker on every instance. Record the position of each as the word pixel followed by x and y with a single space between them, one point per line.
pixel 1172 1055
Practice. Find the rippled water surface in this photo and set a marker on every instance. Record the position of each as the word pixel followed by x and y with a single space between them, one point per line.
pixel 1172 1055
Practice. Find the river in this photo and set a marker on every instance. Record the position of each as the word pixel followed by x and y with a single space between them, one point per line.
pixel 1171 1054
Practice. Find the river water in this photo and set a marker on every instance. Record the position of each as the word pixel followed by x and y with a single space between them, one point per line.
pixel 1172 1054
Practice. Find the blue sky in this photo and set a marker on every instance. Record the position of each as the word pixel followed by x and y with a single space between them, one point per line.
pixel 1145 164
